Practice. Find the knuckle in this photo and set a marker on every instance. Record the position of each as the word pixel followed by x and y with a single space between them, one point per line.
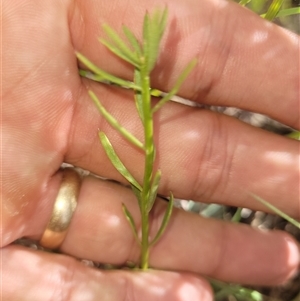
pixel 215 166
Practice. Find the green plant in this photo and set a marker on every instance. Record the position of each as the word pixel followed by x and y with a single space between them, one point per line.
pixel 143 58
pixel 275 10
pixel 277 211
pixel 223 290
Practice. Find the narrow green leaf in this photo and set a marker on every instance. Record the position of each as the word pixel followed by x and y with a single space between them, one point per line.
pixel 117 163
pixel 163 21
pixel 237 216
pixel 118 41
pixel 113 80
pixel 138 95
pixel 114 123
pixel 137 194
pixel 153 30
pixel 288 12
pixel 133 40
pixel 84 60
pixel 110 80
pixel 165 221
pixel 223 290
pixel 145 36
pixel 213 210
pixel 119 53
pixel 177 85
pixel 131 222
pixel 120 48
pixel 244 2
pixel 273 9
pixel 101 75
pixel 294 135
pixel 276 210
pixel 153 190
pixel 92 76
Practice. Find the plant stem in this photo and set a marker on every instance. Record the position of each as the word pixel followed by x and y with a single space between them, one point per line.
pixel 143 57
pixel 145 241
pixel 149 162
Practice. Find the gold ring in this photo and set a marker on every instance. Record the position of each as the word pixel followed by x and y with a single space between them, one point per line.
pixel 64 207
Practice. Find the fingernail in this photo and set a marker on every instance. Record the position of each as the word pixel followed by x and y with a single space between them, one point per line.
pixel 293 256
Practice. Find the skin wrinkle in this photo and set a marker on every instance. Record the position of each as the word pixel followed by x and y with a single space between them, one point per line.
pixel 220 62
pixel 217 127
pixel 84 151
pixel 197 188
pixel 227 53
pixel 200 74
pixel 222 178
pixel 223 45
pixel 227 169
pixel 203 74
pixel 209 160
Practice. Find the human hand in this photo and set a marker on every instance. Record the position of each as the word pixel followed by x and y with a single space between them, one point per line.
pixel 48 119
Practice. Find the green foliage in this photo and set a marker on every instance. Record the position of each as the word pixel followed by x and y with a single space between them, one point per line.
pixel 100 75
pixel 273 10
pixel 288 12
pixel 276 210
pixel 165 221
pixel 244 2
pixel 153 29
pixel 131 222
pixel 119 48
pixel 142 56
pixel 117 163
pixel 223 290
pixel 114 123
pixel 276 9
pixel 177 85
pixel 294 135
pixel 237 216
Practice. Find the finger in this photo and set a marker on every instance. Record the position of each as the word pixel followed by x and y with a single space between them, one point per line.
pixel 203 156
pixel 34 275
pixel 238 53
pixel 100 232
